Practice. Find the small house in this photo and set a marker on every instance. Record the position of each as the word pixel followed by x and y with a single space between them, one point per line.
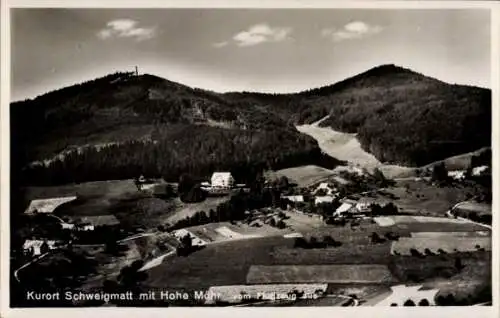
pixel 343 209
pixel 457 174
pixel 326 188
pixel 34 247
pixel 480 171
pixel 89 223
pixel 222 180
pixel 294 198
pixel 323 199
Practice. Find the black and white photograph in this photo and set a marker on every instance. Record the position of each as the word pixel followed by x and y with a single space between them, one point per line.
pixel 249 157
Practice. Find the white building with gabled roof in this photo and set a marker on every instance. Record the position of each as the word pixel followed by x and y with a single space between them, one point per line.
pixel 294 198
pixel 222 180
pixel 323 199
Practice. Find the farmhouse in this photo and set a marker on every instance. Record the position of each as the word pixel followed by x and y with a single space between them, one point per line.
pixel 196 241
pixel 294 198
pixel 222 180
pixel 326 187
pixel 361 206
pixel 47 205
pixel 89 223
pixel 323 199
pixel 343 209
pixel 457 174
pixel 34 247
pixel 481 171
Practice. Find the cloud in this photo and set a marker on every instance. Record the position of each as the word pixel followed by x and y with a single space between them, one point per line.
pixel 126 28
pixel 261 33
pixel 352 30
pixel 220 44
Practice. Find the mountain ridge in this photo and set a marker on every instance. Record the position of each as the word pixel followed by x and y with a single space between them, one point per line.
pixel 400 116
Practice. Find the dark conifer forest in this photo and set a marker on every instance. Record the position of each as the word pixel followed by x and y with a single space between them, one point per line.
pixel 121 125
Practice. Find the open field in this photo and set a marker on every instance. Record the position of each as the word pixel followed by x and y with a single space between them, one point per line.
pixel 438 227
pixel 224 263
pixel 225 231
pixel 459 162
pixel 345 254
pixel 471 283
pixel 402 219
pixel 47 205
pixel 259 274
pixel 109 189
pixel 184 210
pixel 132 210
pixel 439 235
pixel 302 222
pixel 419 197
pixel 448 244
pixel 305 176
pixel 440 272
pixel 468 207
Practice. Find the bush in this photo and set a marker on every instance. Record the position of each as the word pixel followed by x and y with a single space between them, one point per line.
pixel 409 302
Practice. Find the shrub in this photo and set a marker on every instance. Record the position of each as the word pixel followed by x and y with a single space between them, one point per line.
pixel 409 302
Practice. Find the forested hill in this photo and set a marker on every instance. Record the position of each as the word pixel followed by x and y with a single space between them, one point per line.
pixel 400 116
pixel 121 125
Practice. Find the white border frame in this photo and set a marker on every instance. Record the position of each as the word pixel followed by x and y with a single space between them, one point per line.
pixel 476 312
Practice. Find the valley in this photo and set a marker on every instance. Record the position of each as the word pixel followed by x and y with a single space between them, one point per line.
pixel 245 194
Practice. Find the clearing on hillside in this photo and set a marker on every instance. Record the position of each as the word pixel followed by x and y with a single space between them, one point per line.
pixel 345 146
pixel 305 176
pixel 261 274
pixel 184 210
pixel 110 189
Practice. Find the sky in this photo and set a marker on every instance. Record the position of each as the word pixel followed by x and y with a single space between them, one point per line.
pixel 265 50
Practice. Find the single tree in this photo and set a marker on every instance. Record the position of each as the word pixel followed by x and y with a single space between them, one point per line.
pixel 281 224
pixel 424 302
pixel 458 264
pixel 439 173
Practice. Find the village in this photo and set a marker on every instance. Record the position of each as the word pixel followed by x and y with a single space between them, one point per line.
pixel 221 210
